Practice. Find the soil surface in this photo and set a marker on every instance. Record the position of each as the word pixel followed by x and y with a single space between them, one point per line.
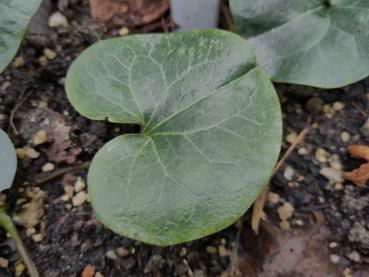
pixel 62 234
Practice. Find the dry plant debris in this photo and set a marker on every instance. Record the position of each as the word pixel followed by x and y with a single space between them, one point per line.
pixel 360 175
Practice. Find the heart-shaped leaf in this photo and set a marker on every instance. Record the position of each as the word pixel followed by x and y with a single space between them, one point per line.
pixel 322 43
pixel 210 132
pixel 8 161
pixel 14 18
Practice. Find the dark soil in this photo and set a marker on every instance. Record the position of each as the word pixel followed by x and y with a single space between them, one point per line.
pixel 72 236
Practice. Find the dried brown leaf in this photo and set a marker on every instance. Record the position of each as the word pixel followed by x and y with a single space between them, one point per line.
pixel 358 176
pixel 88 271
pixel 127 12
pixel 359 151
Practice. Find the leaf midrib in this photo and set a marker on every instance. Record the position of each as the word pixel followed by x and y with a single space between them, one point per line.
pixel 151 131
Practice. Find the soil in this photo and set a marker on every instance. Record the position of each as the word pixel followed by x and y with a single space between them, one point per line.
pixel 32 97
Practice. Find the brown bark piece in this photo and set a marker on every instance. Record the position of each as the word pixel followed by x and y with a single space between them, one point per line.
pixel 127 12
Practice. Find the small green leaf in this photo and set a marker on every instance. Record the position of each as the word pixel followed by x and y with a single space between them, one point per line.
pixel 14 18
pixel 8 161
pixel 322 43
pixel 211 132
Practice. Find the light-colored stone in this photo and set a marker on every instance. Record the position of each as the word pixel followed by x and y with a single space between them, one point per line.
pixel 21 153
pixel 123 31
pixel 211 249
pixel 19 62
pixel 302 151
pixel 98 274
pixel 286 211
pixel 48 167
pixel 289 173
pixel 332 174
pixel 273 197
pixel 79 185
pixel 37 237
pixel 354 256
pixel 50 54
pixel 57 20
pixel 223 252
pixel 338 186
pixel 338 106
pixel 321 155
pixel 4 263
pixel 32 153
pixel 39 138
pixel 69 190
pixel 291 137
pixel 79 198
pixel 345 136
pixel 334 258
pixel 333 245
pixel 335 162
pixel 43 61
pixel 285 225
pixel 123 252
pixel 111 255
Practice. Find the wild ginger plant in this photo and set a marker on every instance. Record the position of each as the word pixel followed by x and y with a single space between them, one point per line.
pixel 210 134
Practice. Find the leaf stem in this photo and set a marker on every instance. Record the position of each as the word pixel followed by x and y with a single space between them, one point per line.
pixel 7 223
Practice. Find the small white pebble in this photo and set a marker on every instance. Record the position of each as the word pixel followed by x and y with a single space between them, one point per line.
pixel 50 54
pixel 338 106
pixel 123 252
pixel 345 136
pixel 211 249
pixel 48 167
pixel 289 172
pixel 69 190
pixel 338 186
pixel 334 258
pixel 57 20
pixel 273 197
pixel 285 225
pixel 32 153
pixel 286 211
pixel 79 198
pixel 123 31
pixel 302 151
pixel 333 245
pixel 354 256
pixel 111 255
pixel 39 138
pixel 321 155
pixel 30 231
pixel 4 262
pixel 79 185
pixel 291 137
pixel 37 237
pixel 223 252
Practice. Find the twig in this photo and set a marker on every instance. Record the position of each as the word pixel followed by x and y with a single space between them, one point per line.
pixel 62 171
pixel 15 109
pixel 360 109
pixel 257 211
pixel 227 16
pixel 7 223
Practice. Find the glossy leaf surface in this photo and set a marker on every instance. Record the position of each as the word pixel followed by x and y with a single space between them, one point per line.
pixel 8 161
pixel 14 18
pixel 322 43
pixel 210 132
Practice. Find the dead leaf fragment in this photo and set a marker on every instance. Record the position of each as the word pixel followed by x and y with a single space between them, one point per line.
pixel 127 12
pixel 360 175
pixel 88 271
pixel 359 151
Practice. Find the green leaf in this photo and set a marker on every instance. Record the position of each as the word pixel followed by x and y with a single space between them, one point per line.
pixel 321 43
pixel 8 161
pixel 210 132
pixel 14 18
